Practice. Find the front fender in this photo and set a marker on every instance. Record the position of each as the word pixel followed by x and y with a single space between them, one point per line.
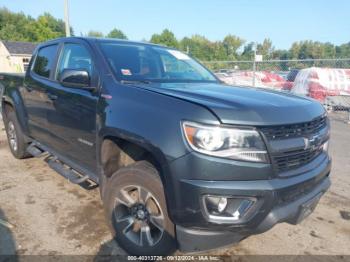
pixel 151 121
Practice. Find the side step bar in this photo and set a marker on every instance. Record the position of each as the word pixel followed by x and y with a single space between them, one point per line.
pixel 66 172
pixel 35 151
pixel 73 176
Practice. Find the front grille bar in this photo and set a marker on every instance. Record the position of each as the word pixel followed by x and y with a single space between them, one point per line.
pixel 294 157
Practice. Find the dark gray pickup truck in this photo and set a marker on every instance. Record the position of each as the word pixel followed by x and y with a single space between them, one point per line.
pixel 181 160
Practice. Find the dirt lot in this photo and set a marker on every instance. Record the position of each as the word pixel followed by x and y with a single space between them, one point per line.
pixel 51 216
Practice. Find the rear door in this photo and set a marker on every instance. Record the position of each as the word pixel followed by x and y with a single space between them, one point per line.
pixel 73 122
pixel 34 92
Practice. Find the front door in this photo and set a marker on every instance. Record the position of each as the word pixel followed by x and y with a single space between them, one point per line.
pixel 73 122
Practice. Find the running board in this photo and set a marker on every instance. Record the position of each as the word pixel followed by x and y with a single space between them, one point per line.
pixel 65 171
pixel 35 151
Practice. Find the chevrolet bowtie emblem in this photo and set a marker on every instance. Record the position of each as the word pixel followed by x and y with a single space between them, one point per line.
pixel 312 142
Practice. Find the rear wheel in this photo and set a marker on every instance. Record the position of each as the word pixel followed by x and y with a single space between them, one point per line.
pixel 15 136
pixel 135 206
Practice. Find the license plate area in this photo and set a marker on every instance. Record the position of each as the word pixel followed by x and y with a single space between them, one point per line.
pixel 307 208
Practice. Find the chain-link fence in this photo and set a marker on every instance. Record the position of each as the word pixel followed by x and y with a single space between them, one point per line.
pixel 271 69
pixel 327 80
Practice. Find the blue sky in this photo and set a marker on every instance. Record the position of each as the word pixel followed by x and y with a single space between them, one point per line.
pixel 283 21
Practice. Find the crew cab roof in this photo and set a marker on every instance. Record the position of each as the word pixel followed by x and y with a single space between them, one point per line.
pixel 98 39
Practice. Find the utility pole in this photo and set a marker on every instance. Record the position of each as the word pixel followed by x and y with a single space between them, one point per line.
pixel 254 63
pixel 66 18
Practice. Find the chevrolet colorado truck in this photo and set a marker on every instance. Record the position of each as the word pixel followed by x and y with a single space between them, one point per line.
pixel 182 160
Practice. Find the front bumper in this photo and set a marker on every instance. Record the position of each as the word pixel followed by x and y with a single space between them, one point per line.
pixel 280 198
pixel 192 240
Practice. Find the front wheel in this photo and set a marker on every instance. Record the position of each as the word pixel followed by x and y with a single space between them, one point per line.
pixel 136 208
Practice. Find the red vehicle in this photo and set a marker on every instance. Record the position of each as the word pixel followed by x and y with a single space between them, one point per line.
pixel 290 79
pixel 262 79
pixel 319 83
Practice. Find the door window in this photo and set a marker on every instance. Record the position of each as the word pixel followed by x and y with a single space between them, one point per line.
pixel 74 56
pixel 44 60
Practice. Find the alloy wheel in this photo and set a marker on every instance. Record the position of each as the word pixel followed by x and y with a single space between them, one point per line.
pixel 138 213
pixel 12 136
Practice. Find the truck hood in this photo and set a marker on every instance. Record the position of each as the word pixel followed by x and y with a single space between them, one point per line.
pixel 244 105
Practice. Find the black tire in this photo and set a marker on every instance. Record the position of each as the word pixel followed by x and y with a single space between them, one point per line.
pixel 15 136
pixel 120 213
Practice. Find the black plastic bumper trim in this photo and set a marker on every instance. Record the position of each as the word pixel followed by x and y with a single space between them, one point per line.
pixel 194 240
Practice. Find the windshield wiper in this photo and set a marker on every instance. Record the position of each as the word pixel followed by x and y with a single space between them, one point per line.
pixel 135 82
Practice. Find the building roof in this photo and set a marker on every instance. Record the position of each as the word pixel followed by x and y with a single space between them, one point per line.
pixel 16 48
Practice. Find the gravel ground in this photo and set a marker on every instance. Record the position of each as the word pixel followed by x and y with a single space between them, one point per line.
pixel 50 216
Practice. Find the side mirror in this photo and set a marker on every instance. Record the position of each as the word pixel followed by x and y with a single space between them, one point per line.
pixel 75 78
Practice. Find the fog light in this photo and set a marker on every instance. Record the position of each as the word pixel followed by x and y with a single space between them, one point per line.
pixel 242 209
pixel 222 204
pixel 221 209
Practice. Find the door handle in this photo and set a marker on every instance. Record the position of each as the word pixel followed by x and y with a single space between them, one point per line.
pixel 52 96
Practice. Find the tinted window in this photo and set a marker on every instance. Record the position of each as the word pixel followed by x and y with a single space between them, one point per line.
pixel 74 56
pixel 152 63
pixel 292 75
pixel 44 60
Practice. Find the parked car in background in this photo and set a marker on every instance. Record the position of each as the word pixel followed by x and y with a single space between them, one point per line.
pixel 245 78
pixel 319 83
pixel 282 74
pixel 290 78
pixel 292 75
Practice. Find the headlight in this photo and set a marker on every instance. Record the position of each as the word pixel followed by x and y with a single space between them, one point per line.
pixel 233 143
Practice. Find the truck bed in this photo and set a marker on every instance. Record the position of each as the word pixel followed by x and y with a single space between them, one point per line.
pixel 10 80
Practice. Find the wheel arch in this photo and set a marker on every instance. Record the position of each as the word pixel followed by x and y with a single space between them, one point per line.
pixel 125 152
pixel 117 150
pixel 5 106
pixel 15 102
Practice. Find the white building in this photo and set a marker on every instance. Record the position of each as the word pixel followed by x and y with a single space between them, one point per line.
pixel 15 56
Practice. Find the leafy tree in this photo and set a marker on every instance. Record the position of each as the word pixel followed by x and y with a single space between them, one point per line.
pixel 19 27
pixel 265 49
pixel 93 33
pixel 116 33
pixel 185 44
pixel 47 27
pixel 329 50
pixel 201 48
pixel 311 50
pixel 231 44
pixel 166 38
pixel 281 55
pixel 343 51
pixel 248 52
pixel 9 32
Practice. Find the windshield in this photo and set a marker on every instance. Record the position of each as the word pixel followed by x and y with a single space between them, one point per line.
pixel 137 62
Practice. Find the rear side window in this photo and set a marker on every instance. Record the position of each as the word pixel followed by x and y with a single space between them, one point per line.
pixel 44 61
